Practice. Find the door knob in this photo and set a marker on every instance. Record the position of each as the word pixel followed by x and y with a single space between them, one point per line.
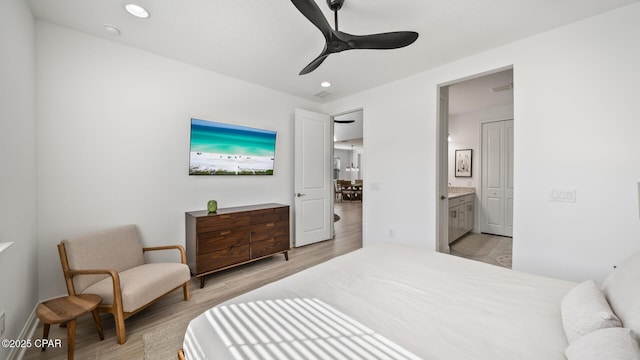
pixel 442 197
pixel 300 195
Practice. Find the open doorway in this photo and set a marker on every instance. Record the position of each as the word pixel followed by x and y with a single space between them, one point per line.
pixel 476 151
pixel 348 171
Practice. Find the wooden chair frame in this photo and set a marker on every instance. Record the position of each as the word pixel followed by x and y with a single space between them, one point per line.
pixel 116 308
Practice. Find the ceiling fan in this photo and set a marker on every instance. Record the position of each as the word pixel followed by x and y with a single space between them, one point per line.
pixel 343 121
pixel 337 41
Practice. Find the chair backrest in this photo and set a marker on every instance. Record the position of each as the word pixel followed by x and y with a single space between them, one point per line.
pixel 117 248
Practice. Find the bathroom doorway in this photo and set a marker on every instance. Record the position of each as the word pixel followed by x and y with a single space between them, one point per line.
pixel 466 160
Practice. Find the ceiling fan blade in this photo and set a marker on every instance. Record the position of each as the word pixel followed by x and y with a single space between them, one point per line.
pixel 344 121
pixel 314 64
pixel 390 40
pixel 311 11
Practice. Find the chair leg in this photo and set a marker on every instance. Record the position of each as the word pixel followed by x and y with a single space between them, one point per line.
pixel 71 338
pixel 96 319
pixel 121 335
pixel 185 291
pixel 45 335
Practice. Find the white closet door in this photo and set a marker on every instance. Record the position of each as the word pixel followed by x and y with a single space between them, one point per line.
pixel 497 178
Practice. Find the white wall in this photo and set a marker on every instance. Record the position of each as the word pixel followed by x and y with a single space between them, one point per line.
pixel 400 158
pixel 113 136
pixel 576 126
pixel 18 264
pixel 465 134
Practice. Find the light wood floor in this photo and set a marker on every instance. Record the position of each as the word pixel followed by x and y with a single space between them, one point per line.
pixel 219 287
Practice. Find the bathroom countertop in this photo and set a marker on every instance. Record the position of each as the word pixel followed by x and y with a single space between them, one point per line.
pixel 456 192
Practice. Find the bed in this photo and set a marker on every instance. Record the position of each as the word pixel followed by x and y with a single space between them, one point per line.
pixel 391 301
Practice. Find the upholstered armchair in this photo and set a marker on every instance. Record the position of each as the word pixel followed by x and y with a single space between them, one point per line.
pixel 111 264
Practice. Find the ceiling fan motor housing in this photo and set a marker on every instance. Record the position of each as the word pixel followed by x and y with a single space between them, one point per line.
pixel 335 5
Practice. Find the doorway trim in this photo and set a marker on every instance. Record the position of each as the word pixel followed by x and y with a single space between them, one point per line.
pixel 363 165
pixel 442 157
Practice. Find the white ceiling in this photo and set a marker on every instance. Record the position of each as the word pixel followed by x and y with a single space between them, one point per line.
pixel 476 94
pixel 269 42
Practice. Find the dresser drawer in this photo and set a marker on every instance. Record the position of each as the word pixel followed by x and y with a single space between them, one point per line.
pixel 222 221
pixel 269 215
pixel 271 246
pixel 222 258
pixel 222 239
pixel 265 231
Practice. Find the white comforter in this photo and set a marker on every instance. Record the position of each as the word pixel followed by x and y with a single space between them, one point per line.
pixel 400 301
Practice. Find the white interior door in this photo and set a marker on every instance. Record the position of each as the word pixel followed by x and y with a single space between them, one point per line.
pixel 443 173
pixel 497 178
pixel 313 208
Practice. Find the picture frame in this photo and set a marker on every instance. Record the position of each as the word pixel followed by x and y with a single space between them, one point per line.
pixel 463 162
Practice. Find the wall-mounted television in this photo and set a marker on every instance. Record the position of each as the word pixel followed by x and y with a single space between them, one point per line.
pixel 227 149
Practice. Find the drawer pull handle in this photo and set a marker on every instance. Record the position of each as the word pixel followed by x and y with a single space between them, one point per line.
pixel 224 233
pixel 271 224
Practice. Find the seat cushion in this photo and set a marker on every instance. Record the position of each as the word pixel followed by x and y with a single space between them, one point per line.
pixel 118 249
pixel 142 284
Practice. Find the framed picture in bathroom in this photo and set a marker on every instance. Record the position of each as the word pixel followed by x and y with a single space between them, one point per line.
pixel 463 163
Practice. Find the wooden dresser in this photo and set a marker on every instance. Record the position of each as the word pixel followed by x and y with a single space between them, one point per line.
pixel 235 236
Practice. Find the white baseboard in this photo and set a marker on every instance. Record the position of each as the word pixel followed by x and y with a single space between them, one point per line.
pixel 27 333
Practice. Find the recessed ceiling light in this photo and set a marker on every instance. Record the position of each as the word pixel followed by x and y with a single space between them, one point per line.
pixel 325 84
pixel 137 11
pixel 111 29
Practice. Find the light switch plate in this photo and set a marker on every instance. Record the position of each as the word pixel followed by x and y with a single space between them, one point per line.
pixel 563 195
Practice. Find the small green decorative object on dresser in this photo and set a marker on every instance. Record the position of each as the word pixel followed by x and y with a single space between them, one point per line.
pixel 212 206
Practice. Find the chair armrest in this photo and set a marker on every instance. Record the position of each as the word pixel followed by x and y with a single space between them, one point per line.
pixel 117 291
pixel 111 272
pixel 183 253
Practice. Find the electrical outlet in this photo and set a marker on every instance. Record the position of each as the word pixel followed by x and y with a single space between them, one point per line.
pixel 1 323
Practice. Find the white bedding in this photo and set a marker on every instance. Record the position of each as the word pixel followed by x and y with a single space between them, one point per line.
pixel 402 301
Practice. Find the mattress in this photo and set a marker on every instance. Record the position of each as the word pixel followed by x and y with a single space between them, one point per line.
pixel 389 301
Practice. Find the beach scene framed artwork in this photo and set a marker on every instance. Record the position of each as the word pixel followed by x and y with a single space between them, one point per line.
pixel 463 163
pixel 228 149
